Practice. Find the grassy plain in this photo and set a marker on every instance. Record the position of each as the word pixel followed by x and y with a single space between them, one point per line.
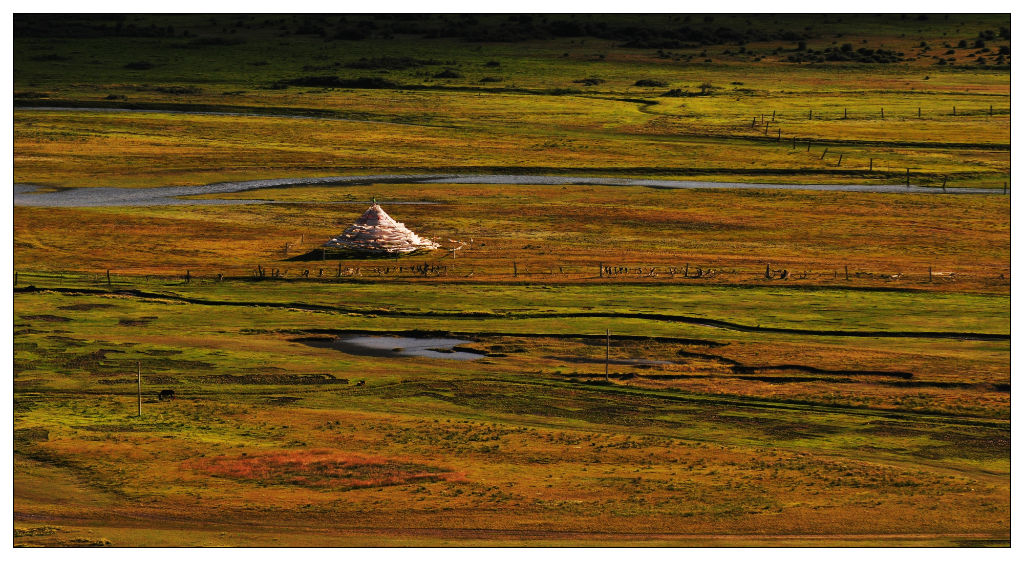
pixel 860 401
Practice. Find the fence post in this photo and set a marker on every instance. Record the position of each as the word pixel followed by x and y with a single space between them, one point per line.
pixel 883 112
pixel 823 154
pixel 908 177
pixel 108 278
pixel 871 164
pixel 607 351
pixel 840 161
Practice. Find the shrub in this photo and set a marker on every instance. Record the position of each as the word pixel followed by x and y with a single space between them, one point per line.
pixel 139 65
pixel 179 90
pixel 389 63
pixel 52 57
pixel 589 81
pixel 448 73
pixel 649 83
pixel 335 82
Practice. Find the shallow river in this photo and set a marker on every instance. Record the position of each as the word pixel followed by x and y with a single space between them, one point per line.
pixel 36 195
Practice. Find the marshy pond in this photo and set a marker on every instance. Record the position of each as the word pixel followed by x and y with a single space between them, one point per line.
pixel 395 346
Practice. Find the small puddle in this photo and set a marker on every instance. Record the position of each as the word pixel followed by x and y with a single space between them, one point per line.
pixel 388 346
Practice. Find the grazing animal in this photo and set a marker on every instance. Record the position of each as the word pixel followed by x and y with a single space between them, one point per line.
pixel 166 394
pixel 361 383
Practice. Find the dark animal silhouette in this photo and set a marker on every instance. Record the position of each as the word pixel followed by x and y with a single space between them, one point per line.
pixel 361 383
pixel 166 394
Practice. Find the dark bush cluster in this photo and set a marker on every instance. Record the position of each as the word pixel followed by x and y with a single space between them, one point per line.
pixel 201 42
pixel 139 65
pixel 179 90
pixel 589 81
pixel 52 57
pixel 448 73
pixel 84 26
pixel 846 53
pixel 390 63
pixel 336 82
pixel 649 83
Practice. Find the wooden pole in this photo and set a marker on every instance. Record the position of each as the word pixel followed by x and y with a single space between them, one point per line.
pixel 823 154
pixel 840 161
pixel 883 112
pixel 954 110
pixel 515 269
pixel 908 177
pixel 943 183
pixel 773 115
pixel 779 139
pixel 108 278
pixel 794 143
pixel 15 278
pixel 808 146
pixel 810 114
pixel 600 270
pixel 918 112
pixel 844 112
pixel 607 351
pixel 871 164
pixel 929 273
pixel 140 389
pixel 766 128
pixel 846 271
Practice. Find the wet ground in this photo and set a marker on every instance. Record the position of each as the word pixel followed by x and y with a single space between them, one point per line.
pixel 391 347
pixel 41 196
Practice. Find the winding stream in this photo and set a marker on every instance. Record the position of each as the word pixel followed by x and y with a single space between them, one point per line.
pixel 41 196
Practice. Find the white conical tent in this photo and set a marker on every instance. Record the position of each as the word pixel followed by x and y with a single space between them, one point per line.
pixel 376 232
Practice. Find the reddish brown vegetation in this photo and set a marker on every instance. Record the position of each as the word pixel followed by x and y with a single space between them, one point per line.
pixel 321 468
